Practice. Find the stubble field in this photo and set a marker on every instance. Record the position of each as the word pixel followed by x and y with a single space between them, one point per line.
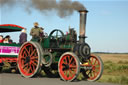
pixel 115 68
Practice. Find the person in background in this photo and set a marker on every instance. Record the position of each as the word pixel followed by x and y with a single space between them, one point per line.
pixel 23 36
pixel 1 38
pixel 42 33
pixel 7 39
pixel 35 32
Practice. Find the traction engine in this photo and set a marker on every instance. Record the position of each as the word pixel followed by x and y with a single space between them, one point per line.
pixel 61 55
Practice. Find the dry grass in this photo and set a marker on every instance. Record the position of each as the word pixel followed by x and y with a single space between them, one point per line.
pixel 115 68
pixel 115 58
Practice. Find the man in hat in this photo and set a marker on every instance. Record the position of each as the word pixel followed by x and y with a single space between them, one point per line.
pixel 36 31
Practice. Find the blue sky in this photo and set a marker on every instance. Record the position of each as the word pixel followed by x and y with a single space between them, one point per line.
pixel 107 23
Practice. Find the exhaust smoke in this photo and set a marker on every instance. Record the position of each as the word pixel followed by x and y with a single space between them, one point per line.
pixel 62 7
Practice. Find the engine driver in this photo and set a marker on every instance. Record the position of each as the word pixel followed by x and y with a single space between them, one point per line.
pixel 36 31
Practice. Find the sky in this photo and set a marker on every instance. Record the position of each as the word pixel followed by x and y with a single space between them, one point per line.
pixel 106 28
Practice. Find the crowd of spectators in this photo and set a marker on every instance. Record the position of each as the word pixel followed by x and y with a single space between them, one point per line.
pixel 7 39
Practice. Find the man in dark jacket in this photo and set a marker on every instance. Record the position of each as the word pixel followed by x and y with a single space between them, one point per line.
pixel 23 37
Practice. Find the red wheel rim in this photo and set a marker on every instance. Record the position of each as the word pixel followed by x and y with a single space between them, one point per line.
pixel 28 59
pixel 96 68
pixel 68 67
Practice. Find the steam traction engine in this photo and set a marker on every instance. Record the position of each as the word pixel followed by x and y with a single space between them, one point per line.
pixel 59 53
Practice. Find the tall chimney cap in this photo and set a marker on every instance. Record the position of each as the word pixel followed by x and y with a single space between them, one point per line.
pixel 86 11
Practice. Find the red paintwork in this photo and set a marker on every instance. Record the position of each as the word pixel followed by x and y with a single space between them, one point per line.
pixel 1 41
pixel 2 59
pixel 72 67
pixel 13 25
pixel 28 68
pixel 95 71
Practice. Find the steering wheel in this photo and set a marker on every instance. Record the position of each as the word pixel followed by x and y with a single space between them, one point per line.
pixel 56 34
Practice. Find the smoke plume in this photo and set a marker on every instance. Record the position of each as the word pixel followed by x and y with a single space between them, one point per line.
pixel 62 7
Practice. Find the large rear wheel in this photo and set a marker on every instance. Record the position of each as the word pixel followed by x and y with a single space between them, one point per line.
pixel 96 70
pixel 29 59
pixel 69 66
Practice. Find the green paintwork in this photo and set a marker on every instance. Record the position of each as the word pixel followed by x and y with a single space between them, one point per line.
pixel 50 43
pixel 8 44
pixel 56 56
pixel 10 28
pixel 68 37
pixel 11 56
pixel 67 46
pixel 46 43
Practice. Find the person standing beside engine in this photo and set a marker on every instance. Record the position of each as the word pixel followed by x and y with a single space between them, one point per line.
pixel 23 36
pixel 36 31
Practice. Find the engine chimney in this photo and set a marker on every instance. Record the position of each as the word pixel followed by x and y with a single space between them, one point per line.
pixel 82 30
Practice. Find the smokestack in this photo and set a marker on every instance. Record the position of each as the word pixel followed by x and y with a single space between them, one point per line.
pixel 82 30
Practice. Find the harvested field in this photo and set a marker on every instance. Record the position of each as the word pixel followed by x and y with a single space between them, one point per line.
pixel 115 58
pixel 115 68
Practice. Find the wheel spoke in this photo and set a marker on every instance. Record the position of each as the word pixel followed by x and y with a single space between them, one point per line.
pixel 34 57
pixel 24 66
pixel 74 63
pixel 65 60
pixel 30 66
pixel 34 63
pixel 33 66
pixel 64 63
pixel 71 60
pixel 22 62
pixel 31 48
pixel 34 60
pixel 65 72
pixel 33 52
pixel 95 62
pixel 71 66
pixel 28 70
pixel 97 68
pixel 70 71
pixel 22 57
pixel 92 61
pixel 27 50
pixel 24 54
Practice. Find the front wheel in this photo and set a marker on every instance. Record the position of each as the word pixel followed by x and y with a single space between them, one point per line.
pixel 96 70
pixel 69 66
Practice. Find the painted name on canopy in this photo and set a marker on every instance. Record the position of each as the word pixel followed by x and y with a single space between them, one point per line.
pixel 9 50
